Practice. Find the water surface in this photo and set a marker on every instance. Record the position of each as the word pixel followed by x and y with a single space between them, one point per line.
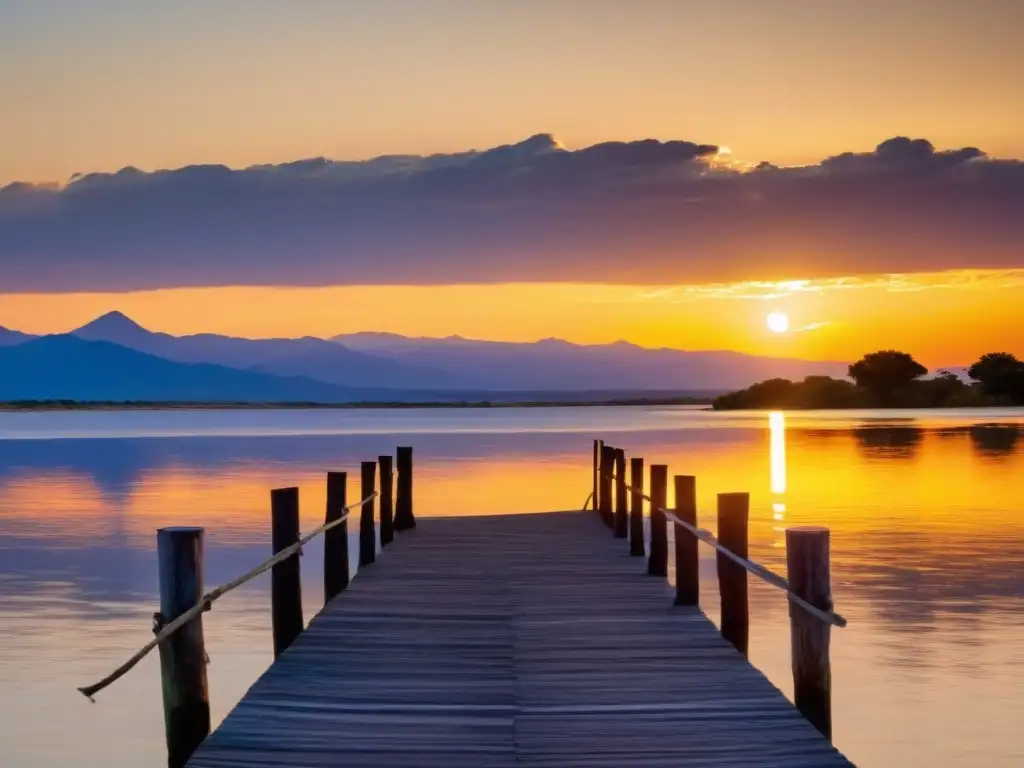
pixel 926 511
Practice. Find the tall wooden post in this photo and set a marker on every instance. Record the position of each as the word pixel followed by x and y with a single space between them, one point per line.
pixel 605 493
pixel 807 559
pixel 285 577
pixel 733 522
pixel 637 548
pixel 598 444
pixel 687 564
pixel 404 518
pixel 336 566
pixel 367 527
pixel 387 509
pixel 182 655
pixel 621 513
pixel 657 563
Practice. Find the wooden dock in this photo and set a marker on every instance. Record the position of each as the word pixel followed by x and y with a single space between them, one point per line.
pixel 493 641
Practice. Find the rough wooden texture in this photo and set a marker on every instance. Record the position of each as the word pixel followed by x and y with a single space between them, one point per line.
pixel 807 558
pixel 657 562
pixel 621 513
pixel 637 547
pixel 183 655
pixel 336 566
pixel 404 518
pixel 488 642
pixel 607 470
pixel 687 562
pixel 367 525
pixel 597 471
pixel 285 578
pixel 733 524
pixel 387 500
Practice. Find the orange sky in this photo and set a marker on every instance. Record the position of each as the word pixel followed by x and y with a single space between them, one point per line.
pixel 125 83
pixel 945 318
pixel 101 86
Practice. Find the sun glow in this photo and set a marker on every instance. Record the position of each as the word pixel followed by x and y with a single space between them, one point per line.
pixel 777 322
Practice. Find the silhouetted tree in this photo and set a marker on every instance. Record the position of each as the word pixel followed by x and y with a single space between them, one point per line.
pixel 1001 375
pixel 885 372
pixel 943 390
pixel 771 393
pixel 826 392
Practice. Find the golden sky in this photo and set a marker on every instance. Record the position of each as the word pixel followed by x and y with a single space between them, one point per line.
pixel 947 318
pixel 99 86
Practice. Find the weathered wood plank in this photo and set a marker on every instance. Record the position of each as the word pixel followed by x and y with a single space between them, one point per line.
pixel 494 641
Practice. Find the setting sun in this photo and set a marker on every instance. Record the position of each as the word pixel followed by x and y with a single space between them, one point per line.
pixel 777 322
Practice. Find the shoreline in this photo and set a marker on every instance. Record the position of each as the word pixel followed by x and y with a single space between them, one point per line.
pixel 43 406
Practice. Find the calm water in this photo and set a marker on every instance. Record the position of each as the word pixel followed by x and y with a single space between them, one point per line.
pixel 926 509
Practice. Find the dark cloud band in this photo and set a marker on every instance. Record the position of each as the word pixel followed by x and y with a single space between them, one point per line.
pixel 643 212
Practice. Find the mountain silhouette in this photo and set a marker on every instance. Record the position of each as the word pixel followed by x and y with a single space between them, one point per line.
pixel 114 327
pixel 455 367
pixel 67 367
pixel 554 364
pixel 307 356
pixel 10 338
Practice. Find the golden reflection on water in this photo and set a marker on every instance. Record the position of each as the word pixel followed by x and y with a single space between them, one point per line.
pixel 927 521
pixel 777 457
pixel 777 450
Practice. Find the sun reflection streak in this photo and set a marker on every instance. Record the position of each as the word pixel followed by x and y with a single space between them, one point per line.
pixel 777 463
pixel 777 431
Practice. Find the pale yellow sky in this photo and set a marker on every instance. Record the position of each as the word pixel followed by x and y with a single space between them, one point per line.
pixel 101 85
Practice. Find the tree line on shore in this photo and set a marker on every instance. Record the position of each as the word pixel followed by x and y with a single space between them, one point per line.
pixel 891 379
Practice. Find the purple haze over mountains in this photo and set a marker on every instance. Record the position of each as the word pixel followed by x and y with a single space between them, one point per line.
pixel 381 366
pixel 553 364
pixel 10 338
pixel 66 367
pixel 307 356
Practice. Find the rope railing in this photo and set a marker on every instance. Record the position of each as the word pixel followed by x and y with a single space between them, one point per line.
pixel 702 534
pixel 89 691
pixel 587 502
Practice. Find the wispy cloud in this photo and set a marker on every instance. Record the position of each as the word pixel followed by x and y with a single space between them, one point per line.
pixel 767 291
pixel 811 327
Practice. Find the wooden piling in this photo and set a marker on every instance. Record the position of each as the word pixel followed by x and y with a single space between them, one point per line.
pixel 657 563
pixel 404 517
pixel 733 523
pixel 597 472
pixel 387 508
pixel 367 527
pixel 607 469
pixel 285 577
pixel 183 654
pixel 336 565
pixel 687 563
pixel 807 560
pixel 621 513
pixel 637 548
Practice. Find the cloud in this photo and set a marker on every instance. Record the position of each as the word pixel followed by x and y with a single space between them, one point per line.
pixel 648 212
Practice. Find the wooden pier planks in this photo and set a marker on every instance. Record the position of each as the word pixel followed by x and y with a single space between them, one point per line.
pixel 492 641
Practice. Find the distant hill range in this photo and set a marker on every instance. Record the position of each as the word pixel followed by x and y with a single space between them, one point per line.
pixel 553 364
pixel 69 368
pixel 9 337
pixel 114 358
